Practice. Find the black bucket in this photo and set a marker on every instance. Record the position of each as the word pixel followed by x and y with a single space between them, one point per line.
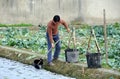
pixel 93 60
pixel 38 63
pixel 71 55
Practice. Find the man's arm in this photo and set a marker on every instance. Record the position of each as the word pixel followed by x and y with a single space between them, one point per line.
pixel 65 24
pixel 49 30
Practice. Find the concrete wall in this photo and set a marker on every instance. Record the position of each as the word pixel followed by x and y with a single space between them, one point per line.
pixel 41 11
pixel 93 11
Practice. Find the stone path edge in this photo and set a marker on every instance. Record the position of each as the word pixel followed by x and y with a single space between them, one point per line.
pixel 68 69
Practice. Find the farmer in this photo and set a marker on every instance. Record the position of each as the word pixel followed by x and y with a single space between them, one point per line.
pixel 53 39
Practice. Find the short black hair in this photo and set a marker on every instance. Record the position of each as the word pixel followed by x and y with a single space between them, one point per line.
pixel 56 18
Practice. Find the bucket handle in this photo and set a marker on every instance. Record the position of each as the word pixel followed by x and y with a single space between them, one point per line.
pixel 96 43
pixel 72 36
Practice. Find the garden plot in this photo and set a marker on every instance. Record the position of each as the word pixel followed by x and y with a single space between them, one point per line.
pixel 36 41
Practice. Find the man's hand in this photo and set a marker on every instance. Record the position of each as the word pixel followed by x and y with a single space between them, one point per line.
pixel 52 45
pixel 68 30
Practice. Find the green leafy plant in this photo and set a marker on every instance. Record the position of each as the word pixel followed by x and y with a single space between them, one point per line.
pixel 36 41
pixel 15 25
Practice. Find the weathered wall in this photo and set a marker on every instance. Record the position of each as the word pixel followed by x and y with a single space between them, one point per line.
pixel 41 11
pixel 93 11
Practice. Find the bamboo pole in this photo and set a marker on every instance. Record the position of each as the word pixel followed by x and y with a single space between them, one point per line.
pixel 105 35
pixel 96 43
pixel 69 41
pixel 95 39
pixel 74 39
pixel 89 40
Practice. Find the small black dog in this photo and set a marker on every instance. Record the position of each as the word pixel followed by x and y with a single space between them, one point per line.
pixel 38 63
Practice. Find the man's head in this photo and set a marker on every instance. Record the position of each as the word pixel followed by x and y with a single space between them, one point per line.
pixel 56 18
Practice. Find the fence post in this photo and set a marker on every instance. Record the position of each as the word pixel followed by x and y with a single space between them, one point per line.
pixel 105 35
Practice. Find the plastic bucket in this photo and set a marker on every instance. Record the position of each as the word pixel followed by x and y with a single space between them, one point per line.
pixel 72 55
pixel 93 60
pixel 38 63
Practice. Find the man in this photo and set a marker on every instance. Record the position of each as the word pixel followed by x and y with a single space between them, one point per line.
pixel 53 38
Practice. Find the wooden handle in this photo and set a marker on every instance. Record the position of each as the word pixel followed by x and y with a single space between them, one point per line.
pixel 96 43
pixel 74 39
pixel 69 40
pixel 89 43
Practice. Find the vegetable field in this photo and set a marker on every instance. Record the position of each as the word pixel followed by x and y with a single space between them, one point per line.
pixel 35 41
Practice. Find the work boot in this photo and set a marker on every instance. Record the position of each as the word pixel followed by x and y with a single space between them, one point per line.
pixel 54 59
pixel 51 64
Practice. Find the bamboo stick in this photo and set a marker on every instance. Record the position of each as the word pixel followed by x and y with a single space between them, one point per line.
pixel 89 42
pixel 96 43
pixel 74 39
pixel 105 35
pixel 69 41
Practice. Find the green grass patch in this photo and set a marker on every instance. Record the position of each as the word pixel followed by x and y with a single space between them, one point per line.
pixel 16 25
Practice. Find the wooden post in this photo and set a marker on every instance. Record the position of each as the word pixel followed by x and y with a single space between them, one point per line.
pixel 105 35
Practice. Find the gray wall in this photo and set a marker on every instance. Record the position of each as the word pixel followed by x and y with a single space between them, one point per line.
pixel 41 11
pixel 93 11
